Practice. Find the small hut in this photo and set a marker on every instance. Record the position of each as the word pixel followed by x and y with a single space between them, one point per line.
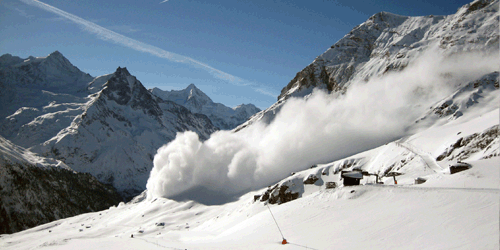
pixel 459 167
pixel 351 178
pixel 331 184
pixel 420 180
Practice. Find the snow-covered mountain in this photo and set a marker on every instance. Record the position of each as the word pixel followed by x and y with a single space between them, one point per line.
pixel 121 127
pixel 196 101
pixel 388 43
pixel 40 96
pixel 35 190
pixel 428 208
pixel 34 82
pixel 109 126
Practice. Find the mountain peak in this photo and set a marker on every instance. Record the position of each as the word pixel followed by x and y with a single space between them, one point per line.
pixel 122 71
pixel 198 102
pixel 58 56
pixel 56 53
pixel 8 59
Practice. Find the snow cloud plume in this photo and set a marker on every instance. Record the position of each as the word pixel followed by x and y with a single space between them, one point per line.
pixel 111 36
pixel 321 128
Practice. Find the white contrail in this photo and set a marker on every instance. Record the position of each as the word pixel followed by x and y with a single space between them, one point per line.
pixel 109 35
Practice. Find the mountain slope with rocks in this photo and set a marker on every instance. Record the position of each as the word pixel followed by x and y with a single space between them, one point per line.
pixel 388 43
pixel 121 127
pixel 35 190
pixel 196 101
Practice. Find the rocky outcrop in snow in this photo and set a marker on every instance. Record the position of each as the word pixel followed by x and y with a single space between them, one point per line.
pixel 196 101
pixel 483 145
pixel 466 97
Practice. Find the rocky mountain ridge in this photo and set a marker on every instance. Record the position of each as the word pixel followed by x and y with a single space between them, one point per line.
pixel 196 101
pixel 388 43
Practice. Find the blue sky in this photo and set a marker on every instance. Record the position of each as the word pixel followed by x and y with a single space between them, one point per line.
pixel 235 51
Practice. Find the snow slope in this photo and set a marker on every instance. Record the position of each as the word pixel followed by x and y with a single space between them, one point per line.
pixel 196 101
pixel 428 216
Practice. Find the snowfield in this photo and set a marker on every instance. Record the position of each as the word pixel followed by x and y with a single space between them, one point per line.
pixel 373 216
pixel 458 211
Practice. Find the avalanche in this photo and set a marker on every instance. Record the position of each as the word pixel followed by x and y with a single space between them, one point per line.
pixel 317 129
pixel 438 108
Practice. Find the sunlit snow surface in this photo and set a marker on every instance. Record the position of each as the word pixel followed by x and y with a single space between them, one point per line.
pixel 457 211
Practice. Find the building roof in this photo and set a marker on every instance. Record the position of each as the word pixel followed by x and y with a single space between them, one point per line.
pixel 353 174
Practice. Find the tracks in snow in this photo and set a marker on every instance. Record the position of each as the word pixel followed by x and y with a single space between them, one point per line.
pixel 425 156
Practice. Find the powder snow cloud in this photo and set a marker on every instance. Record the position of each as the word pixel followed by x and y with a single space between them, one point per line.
pixel 318 129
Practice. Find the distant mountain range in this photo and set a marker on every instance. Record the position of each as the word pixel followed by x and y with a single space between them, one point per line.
pixel 196 101
pixel 109 126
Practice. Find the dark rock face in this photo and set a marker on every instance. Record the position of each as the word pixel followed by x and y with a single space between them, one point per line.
pixel 279 194
pixel 311 179
pixel 124 89
pixel 32 196
pixel 358 46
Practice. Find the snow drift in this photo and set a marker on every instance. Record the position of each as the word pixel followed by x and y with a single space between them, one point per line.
pixel 320 128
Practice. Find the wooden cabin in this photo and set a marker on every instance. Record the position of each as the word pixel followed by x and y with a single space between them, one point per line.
pixel 351 178
pixel 459 167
